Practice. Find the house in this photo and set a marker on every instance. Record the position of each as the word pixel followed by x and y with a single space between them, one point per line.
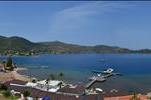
pixel 50 86
pixel 126 97
pixel 64 93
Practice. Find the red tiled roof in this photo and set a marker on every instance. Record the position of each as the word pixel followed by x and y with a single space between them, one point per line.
pixel 15 82
pixel 77 90
pixel 39 93
pixel 128 97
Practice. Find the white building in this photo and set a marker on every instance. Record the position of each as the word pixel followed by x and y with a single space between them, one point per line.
pixel 51 86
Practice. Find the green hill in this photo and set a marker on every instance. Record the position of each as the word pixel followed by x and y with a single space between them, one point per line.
pixel 21 45
pixel 15 43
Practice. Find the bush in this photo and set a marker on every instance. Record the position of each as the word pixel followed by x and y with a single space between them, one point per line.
pixel 9 64
pixel 26 93
pixel 33 81
pixel 6 93
pixel 3 87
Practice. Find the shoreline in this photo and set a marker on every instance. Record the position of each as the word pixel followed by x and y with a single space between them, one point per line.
pixel 14 75
pixel 19 76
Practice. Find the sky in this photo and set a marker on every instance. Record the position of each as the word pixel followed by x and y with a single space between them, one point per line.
pixel 124 24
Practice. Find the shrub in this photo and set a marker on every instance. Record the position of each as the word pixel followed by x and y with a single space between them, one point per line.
pixel 33 81
pixel 26 93
pixel 3 87
pixel 6 93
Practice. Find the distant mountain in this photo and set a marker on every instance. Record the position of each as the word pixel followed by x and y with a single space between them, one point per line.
pixel 21 45
pixel 110 49
pixel 15 43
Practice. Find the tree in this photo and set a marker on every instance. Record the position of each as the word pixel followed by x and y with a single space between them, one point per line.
pixel 60 85
pixel 9 63
pixel 61 74
pixel 26 93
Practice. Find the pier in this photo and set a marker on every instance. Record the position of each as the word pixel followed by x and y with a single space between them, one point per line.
pixel 95 79
pixel 108 75
pixel 101 78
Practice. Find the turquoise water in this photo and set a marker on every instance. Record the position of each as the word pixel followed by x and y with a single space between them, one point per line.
pixel 135 68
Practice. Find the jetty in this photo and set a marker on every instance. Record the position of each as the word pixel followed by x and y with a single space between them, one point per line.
pixel 95 79
pixel 101 78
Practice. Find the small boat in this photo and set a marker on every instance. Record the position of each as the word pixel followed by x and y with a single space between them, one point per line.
pixel 107 71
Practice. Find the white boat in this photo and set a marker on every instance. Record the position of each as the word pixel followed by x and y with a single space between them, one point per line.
pixel 108 71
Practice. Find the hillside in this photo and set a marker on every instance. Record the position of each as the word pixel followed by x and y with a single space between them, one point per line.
pixel 20 45
pixel 15 43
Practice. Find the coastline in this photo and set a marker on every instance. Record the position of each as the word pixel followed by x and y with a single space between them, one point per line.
pixel 19 76
pixel 14 75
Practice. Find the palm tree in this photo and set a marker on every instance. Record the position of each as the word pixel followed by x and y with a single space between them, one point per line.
pixel 50 77
pixel 60 85
pixel 61 74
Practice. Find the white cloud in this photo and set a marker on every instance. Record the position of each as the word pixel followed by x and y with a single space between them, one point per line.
pixel 81 17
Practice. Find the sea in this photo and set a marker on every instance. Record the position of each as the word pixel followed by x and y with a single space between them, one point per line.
pixel 135 69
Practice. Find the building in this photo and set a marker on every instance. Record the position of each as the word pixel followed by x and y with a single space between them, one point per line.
pixel 126 97
pixel 50 86
pixel 65 93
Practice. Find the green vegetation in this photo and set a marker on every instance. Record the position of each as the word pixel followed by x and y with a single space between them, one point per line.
pixel 61 75
pixel 26 93
pixel 3 87
pixel 9 64
pixel 21 46
pixel 5 94
pixel 34 81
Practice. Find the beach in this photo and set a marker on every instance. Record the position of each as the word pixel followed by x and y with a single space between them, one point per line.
pixel 11 75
